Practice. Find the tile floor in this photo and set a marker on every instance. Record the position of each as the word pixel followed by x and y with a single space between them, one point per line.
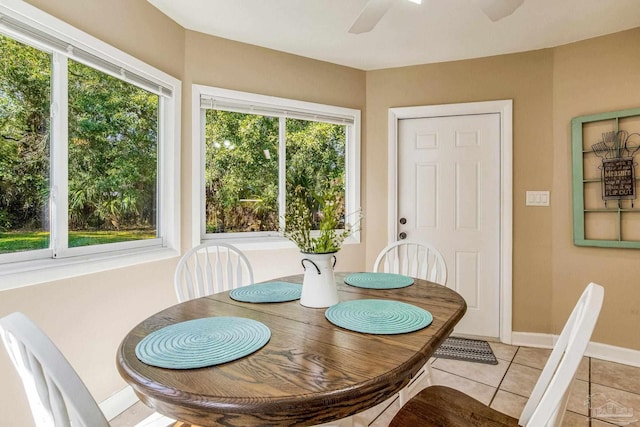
pixel 612 389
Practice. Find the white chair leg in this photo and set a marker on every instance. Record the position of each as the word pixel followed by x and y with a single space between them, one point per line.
pixel 429 374
pixel 423 379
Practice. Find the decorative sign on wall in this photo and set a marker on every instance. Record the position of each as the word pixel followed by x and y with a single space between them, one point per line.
pixel 604 148
pixel 618 173
pixel 618 179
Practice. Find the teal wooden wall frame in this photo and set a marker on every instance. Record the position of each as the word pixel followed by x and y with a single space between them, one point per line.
pixel 621 221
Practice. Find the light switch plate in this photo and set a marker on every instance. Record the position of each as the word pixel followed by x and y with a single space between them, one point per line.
pixel 537 198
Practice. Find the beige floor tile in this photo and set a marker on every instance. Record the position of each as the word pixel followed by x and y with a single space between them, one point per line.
pixel 579 397
pixel 615 375
pixel 571 419
pixel 520 379
pixel 615 406
pixel 478 391
pixel 480 372
pixel 385 418
pixel 532 357
pixel 503 351
pixel 599 423
pixel 132 416
pixel 583 370
pixel 508 403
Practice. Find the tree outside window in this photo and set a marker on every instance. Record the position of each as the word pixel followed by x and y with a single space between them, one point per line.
pixel 112 176
pixel 25 87
pixel 242 168
pixel 113 134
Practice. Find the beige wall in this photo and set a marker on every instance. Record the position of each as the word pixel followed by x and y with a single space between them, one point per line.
pixel 591 77
pixel 526 78
pixel 133 26
pixel 88 316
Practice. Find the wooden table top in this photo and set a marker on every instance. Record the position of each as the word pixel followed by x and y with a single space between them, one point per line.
pixel 310 372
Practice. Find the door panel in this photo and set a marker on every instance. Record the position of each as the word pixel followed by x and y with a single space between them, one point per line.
pixel 449 192
pixel 426 195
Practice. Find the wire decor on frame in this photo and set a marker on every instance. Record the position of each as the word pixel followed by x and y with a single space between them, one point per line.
pixel 616 149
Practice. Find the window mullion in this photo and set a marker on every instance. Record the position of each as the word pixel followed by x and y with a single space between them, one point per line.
pixel 282 169
pixel 59 199
pixel 203 173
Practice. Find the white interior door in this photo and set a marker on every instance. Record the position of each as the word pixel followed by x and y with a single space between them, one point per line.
pixel 449 194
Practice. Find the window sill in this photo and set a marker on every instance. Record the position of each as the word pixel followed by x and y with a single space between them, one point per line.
pixel 27 273
pixel 266 243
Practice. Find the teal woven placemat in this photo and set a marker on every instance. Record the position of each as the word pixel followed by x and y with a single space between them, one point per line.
pixel 202 342
pixel 267 292
pixel 378 280
pixel 376 316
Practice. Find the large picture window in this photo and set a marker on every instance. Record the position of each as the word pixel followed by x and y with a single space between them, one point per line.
pixel 258 153
pixel 87 144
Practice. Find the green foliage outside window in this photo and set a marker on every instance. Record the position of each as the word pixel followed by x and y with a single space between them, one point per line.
pixel 241 172
pixel 25 82
pixel 242 167
pixel 329 220
pixel 112 151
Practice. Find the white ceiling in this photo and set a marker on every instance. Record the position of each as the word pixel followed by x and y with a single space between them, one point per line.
pixel 409 34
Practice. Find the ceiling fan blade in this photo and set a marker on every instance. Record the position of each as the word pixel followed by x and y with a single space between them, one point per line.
pixel 372 12
pixel 498 9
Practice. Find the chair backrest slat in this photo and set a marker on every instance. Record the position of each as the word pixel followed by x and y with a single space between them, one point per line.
pixel 211 268
pixel 415 259
pixel 57 396
pixel 548 399
pixel 57 404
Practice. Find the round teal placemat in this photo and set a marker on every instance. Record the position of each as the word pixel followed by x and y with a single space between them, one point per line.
pixel 267 292
pixel 202 342
pixel 378 280
pixel 376 316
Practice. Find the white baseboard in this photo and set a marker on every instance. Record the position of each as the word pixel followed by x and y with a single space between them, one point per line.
pixel 118 403
pixel 611 353
pixel 531 339
pixel 607 352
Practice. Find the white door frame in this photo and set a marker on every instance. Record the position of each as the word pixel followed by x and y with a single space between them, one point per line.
pixel 505 109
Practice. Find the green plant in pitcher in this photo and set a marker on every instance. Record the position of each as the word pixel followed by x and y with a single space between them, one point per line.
pixel 332 227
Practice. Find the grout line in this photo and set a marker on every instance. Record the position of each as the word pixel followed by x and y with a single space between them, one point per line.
pixel 495 393
pixel 383 411
pixel 590 420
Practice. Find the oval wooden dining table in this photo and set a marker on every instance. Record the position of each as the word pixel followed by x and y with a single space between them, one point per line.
pixel 310 372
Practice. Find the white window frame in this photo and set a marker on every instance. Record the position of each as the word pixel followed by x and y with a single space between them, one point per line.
pixel 250 101
pixel 37 266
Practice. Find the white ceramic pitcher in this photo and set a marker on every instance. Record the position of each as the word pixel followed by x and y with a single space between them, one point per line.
pixel 319 284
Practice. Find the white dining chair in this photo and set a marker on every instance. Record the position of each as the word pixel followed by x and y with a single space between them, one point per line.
pixel 56 394
pixel 415 259
pixel 443 406
pixel 210 268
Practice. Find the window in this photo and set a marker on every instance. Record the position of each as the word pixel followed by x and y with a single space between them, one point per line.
pixel 259 152
pixel 112 159
pixel 25 88
pixel 88 144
